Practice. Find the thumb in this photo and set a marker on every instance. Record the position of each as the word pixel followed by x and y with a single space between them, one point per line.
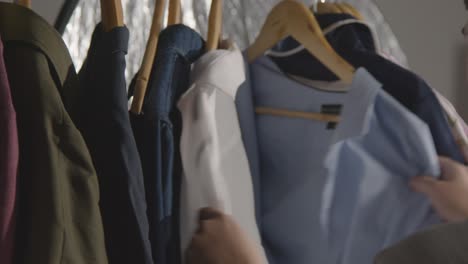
pixel 208 213
pixel 425 185
pixel 450 168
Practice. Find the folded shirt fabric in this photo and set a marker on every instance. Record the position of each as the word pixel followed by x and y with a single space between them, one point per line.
pixel 216 170
pixel 367 203
pixel 300 191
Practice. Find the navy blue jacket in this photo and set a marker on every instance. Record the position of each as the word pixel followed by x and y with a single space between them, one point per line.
pixel 157 132
pixel 102 118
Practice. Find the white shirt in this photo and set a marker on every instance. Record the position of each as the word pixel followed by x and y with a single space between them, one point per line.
pixel 215 165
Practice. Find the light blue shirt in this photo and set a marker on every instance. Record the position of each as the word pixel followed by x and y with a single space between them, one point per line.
pixel 367 204
pixel 329 195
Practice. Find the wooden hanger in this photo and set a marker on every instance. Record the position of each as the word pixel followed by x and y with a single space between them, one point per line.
pixel 174 13
pixel 297 114
pixel 111 14
pixel 342 8
pixel 25 3
pixel 215 25
pixel 291 18
pixel 141 81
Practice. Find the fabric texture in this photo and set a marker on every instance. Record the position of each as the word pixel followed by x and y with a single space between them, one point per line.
pixel 367 203
pixel 102 117
pixel 444 244
pixel 58 218
pixel 441 244
pixel 352 43
pixel 9 155
pixel 216 170
pixel 292 183
pixel 157 133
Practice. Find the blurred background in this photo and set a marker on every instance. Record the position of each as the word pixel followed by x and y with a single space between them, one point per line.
pixel 424 35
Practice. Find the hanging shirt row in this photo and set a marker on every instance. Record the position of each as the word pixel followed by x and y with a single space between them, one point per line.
pixel 315 168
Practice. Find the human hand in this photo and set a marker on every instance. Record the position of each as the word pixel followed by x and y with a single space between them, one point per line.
pixel 219 240
pixel 449 196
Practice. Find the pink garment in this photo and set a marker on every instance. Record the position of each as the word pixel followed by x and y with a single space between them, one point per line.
pixel 9 155
pixel 457 124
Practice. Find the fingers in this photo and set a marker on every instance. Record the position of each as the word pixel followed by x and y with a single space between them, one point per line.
pixel 198 250
pixel 450 168
pixel 209 213
pixel 445 160
pixel 433 187
pixel 425 185
pixel 448 194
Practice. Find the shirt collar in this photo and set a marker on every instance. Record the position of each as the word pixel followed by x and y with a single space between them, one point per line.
pixel 211 69
pixel 20 24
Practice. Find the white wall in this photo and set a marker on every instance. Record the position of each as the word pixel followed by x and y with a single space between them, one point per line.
pixel 48 9
pixel 429 32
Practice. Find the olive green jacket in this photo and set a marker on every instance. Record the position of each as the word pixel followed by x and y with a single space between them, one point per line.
pixel 58 212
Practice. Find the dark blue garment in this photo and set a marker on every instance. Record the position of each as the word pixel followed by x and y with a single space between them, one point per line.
pixel 353 43
pixel 157 132
pixel 102 118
